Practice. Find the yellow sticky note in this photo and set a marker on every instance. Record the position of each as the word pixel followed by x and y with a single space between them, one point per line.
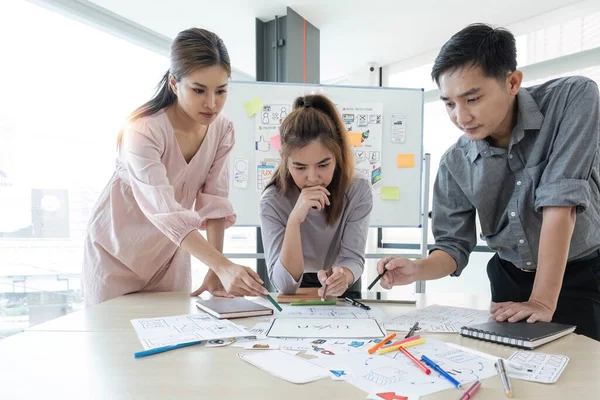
pixel 405 160
pixel 355 139
pixel 253 106
pixel 390 193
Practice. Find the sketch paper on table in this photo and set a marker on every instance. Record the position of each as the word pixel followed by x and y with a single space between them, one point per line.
pixel 323 328
pixel 437 318
pixel 333 312
pixel 546 368
pixel 167 331
pixel 394 372
pixel 285 366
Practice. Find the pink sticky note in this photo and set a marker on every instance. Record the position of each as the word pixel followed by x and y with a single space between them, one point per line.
pixel 275 142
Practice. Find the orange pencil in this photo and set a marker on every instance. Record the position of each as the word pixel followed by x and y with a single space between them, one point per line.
pixel 380 344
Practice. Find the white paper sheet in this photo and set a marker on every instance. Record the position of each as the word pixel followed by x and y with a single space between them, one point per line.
pixel 285 366
pixel 323 328
pixel 538 367
pixel 437 318
pixel 332 312
pixel 166 331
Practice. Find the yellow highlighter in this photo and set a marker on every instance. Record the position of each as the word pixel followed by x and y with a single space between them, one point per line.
pixel 405 345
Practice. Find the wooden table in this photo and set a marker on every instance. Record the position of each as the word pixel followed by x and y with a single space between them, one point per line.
pixel 89 354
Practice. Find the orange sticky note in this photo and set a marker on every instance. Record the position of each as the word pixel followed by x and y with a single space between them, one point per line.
pixel 355 139
pixel 405 160
pixel 276 142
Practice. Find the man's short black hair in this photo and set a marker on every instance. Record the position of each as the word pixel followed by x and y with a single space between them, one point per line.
pixel 493 49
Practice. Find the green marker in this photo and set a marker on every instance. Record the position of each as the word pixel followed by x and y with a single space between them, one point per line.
pixel 277 306
pixel 314 303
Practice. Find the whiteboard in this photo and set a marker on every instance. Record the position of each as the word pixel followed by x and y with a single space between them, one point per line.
pixel 396 103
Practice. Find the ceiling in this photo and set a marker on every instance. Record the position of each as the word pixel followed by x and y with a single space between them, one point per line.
pixel 353 32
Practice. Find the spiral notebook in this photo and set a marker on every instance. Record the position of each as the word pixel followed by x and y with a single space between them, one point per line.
pixel 520 334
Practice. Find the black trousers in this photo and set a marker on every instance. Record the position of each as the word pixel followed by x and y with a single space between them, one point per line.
pixel 579 299
pixel 310 280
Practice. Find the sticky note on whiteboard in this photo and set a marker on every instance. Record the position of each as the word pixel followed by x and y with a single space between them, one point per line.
pixel 275 142
pixel 355 139
pixel 405 160
pixel 390 193
pixel 253 106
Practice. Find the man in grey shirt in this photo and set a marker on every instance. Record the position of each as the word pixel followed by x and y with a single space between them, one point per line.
pixel 528 164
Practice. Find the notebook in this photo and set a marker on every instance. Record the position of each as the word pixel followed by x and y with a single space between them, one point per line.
pixel 233 308
pixel 520 334
pixel 302 294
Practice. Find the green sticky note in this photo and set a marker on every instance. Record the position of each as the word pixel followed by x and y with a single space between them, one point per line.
pixel 253 106
pixel 390 193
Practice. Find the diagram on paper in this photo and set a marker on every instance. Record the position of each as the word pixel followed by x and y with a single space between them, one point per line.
pixel 336 312
pixel 394 372
pixel 266 141
pixel 366 120
pixel 437 318
pixel 538 367
pixel 158 332
pixel 323 328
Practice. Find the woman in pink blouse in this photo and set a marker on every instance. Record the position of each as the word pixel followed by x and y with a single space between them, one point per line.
pixel 171 179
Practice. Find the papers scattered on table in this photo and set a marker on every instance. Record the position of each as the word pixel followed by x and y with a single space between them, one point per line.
pixel 437 318
pixel 538 367
pixel 167 331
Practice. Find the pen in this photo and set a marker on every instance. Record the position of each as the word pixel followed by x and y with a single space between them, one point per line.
pixel 439 370
pixel 377 279
pixel 410 339
pixel 277 306
pixel 415 360
pixel 162 349
pixel 412 330
pixel 504 377
pixel 380 344
pixel 356 303
pixel 406 345
pixel 327 274
pixel 471 391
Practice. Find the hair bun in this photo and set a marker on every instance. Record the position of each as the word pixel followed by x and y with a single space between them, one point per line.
pixel 306 103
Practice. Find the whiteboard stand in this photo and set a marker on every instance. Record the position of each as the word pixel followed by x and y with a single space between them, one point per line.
pixel 423 249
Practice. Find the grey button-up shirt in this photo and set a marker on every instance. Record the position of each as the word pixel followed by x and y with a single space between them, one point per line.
pixel 552 160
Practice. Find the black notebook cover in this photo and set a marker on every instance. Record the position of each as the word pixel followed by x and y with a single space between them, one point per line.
pixel 520 334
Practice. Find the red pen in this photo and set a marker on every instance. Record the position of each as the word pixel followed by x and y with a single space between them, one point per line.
pixel 415 360
pixel 471 392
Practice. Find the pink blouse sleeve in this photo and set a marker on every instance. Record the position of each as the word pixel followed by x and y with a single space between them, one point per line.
pixel 212 201
pixel 142 151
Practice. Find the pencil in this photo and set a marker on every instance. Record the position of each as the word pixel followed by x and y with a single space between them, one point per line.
pixel 377 279
pixel 277 306
pixel 380 344
pixel 327 274
pixel 405 345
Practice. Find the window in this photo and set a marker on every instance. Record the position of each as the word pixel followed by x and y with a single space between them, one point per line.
pixel 67 88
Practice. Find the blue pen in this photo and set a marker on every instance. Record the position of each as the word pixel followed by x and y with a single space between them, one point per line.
pixel 439 369
pixel 157 350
